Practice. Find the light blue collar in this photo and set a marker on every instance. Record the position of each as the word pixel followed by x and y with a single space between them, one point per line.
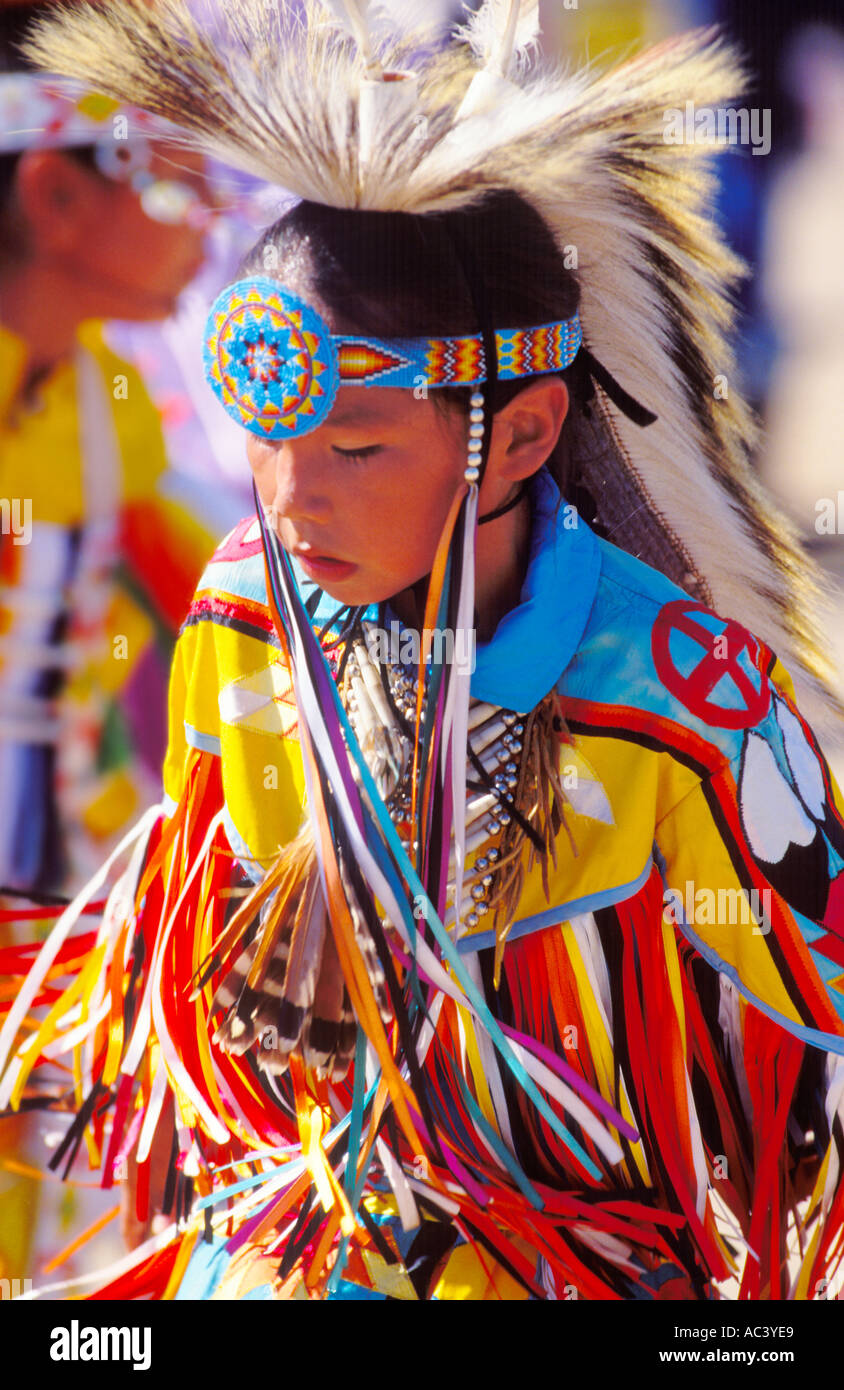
pixel 536 640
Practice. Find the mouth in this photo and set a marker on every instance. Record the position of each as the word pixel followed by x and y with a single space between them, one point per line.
pixel 323 568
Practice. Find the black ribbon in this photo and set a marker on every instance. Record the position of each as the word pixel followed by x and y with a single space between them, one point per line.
pixel 626 403
pixel 507 507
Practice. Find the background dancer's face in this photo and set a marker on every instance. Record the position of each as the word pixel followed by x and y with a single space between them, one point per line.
pixel 88 241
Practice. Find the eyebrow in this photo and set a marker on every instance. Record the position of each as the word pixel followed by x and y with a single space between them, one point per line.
pixel 362 414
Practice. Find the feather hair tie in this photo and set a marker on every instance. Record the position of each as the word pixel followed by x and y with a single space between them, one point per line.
pixel 285 992
pixel 285 995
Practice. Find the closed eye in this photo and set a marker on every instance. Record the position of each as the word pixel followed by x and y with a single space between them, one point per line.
pixel 358 455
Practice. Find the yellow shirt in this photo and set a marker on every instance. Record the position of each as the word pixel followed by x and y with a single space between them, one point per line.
pixel 160 550
pixel 40 452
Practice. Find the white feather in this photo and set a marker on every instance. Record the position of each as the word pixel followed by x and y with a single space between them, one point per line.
pixel 418 16
pixel 498 35
pixel 498 30
pixel 357 18
pixel 373 24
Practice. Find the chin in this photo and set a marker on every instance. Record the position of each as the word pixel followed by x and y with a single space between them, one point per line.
pixel 139 313
pixel 351 593
pixel 356 592
pixel 164 309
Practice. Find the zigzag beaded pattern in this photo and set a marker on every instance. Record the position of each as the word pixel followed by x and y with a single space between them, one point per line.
pixel 276 368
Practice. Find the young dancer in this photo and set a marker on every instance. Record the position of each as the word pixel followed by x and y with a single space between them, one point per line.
pixel 450 970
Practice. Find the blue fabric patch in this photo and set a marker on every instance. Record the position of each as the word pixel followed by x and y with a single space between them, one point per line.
pixel 205 1272
pixel 206 743
pixel 550 619
pixel 344 1292
pixel 245 578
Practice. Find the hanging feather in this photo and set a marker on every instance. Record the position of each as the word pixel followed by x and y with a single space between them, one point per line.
pixel 303 964
pixel 251 992
pixel 245 921
pixel 385 751
pixel 541 801
pixel 285 994
pixel 330 1031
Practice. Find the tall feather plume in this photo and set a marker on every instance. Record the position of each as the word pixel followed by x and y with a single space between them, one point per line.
pixel 275 91
pixel 589 151
pixel 499 31
pixel 356 17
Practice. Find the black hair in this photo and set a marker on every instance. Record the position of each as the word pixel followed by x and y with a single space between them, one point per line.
pixel 396 275
pixel 15 22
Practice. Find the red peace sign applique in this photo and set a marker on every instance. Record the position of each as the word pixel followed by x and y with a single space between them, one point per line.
pixel 720 658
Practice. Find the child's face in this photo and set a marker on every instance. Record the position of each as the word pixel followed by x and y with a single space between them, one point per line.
pixel 119 262
pixel 365 528
pixel 144 262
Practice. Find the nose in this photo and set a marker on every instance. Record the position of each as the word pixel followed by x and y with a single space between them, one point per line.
pixel 300 494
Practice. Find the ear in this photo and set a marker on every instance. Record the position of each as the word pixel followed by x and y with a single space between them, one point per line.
pixel 54 195
pixel 526 431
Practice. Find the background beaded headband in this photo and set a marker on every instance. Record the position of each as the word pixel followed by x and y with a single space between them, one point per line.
pixel 272 361
pixel 39 113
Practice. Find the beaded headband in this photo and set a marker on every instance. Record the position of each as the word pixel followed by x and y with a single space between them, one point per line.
pixel 276 367
pixel 40 113
pixel 37 113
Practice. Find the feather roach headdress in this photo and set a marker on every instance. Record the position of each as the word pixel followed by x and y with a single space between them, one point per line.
pixel 346 104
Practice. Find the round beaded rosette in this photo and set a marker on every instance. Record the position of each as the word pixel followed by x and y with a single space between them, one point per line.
pixel 270 359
